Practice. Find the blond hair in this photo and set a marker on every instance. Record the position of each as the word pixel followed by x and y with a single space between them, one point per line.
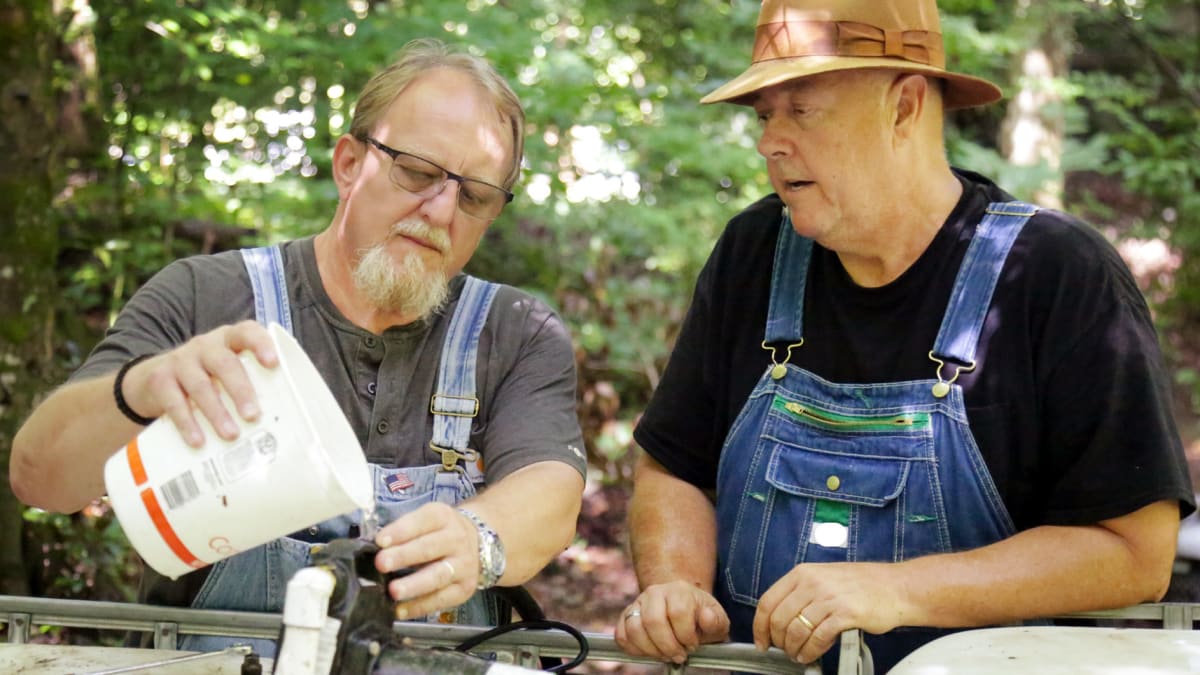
pixel 419 57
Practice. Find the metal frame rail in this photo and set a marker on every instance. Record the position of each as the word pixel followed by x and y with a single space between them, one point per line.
pixel 522 648
pixel 519 647
pixel 1172 615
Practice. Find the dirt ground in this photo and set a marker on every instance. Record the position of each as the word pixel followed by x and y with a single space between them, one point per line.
pixel 590 583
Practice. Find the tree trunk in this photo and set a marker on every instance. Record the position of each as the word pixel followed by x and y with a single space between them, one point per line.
pixel 1035 123
pixel 37 121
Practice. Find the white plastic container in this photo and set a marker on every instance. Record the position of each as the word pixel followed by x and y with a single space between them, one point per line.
pixel 300 463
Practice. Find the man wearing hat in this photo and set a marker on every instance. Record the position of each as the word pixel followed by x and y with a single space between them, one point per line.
pixel 901 401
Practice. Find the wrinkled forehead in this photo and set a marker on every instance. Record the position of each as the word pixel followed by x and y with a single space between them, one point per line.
pixel 448 116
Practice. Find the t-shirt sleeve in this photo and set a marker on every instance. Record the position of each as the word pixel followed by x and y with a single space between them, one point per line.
pixel 1106 424
pixel 531 414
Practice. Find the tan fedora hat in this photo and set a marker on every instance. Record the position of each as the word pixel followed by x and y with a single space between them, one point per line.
pixel 799 38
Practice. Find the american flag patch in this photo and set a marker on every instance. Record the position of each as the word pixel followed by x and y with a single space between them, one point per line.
pixel 399 481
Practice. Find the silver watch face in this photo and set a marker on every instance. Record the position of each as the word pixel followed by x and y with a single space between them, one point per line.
pixel 491 552
pixel 495 555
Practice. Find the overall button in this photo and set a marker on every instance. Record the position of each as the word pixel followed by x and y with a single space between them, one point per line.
pixel 833 483
pixel 314 530
pixel 371 388
pixel 383 427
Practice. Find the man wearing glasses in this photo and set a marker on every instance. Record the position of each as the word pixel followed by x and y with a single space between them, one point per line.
pixel 451 383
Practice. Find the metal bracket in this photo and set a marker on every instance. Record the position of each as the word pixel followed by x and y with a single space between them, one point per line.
pixel 18 628
pixel 451 457
pixel 166 634
pixel 472 404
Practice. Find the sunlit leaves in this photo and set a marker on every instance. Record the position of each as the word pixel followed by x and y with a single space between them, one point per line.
pixel 227 111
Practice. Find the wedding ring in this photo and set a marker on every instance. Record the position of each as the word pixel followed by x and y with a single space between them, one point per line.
pixel 807 624
pixel 450 567
pixel 632 613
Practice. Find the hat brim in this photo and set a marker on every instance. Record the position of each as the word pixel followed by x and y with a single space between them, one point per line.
pixel 962 91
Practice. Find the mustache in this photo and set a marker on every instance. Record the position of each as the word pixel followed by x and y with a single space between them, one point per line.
pixel 417 229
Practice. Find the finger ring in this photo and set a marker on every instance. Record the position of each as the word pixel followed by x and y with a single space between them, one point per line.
pixel 632 613
pixel 807 624
pixel 450 567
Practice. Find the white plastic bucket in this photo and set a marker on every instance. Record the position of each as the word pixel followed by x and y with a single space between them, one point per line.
pixel 300 463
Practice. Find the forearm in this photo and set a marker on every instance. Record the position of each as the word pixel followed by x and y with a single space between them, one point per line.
pixel 673 529
pixel 58 455
pixel 534 510
pixel 1042 572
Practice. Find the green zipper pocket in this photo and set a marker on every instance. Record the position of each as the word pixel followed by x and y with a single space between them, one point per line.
pixel 909 421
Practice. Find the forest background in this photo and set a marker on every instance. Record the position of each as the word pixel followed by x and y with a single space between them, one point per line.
pixel 135 132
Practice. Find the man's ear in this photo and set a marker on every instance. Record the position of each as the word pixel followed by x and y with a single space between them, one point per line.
pixel 910 96
pixel 348 156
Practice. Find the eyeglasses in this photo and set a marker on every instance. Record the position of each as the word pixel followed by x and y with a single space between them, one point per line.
pixel 426 179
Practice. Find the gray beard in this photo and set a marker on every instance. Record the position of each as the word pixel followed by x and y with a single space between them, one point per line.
pixel 408 288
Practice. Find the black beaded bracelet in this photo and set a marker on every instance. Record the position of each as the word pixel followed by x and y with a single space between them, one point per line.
pixel 120 397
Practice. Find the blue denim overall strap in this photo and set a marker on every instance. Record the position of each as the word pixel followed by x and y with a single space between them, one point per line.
pixel 789 274
pixel 454 404
pixel 959 334
pixel 256 580
pixel 817 471
pixel 265 267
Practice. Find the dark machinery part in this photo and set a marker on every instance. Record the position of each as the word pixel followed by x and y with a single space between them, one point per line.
pixel 366 643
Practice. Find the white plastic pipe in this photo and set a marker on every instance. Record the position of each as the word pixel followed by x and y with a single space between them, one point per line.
pixel 309 634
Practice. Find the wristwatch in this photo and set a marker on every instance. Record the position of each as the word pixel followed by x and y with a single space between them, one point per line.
pixel 491 552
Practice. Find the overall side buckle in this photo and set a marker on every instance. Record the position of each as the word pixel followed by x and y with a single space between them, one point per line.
pixel 454 406
pixel 451 457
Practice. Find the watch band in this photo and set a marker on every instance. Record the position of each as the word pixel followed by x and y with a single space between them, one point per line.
pixel 491 552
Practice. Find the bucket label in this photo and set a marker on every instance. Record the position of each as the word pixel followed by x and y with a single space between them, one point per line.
pixel 259 449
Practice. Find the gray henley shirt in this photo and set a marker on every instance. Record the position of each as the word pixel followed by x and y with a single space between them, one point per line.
pixel 525 377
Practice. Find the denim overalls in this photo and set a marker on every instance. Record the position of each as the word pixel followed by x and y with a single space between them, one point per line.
pixel 256 580
pixel 817 471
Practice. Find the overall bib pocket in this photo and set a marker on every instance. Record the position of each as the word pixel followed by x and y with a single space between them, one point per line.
pixel 832 487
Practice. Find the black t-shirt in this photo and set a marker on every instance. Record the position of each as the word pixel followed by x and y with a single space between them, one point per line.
pixel 1069 403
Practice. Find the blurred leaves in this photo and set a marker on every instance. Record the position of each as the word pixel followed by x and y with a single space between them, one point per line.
pixel 83 555
pixel 215 122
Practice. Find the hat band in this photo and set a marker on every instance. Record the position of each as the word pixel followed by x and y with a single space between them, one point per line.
pixel 788 39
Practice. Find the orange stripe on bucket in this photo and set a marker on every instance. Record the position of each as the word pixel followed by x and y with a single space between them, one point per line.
pixel 135 462
pixel 166 531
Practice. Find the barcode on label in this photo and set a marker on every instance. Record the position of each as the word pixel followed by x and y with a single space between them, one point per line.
pixel 180 490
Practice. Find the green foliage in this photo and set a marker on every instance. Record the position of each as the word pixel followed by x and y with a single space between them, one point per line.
pixel 222 115
pixel 84 555
pixel 1143 115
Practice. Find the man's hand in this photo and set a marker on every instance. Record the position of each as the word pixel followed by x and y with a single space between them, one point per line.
pixel 191 377
pixel 442 547
pixel 831 598
pixel 669 621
